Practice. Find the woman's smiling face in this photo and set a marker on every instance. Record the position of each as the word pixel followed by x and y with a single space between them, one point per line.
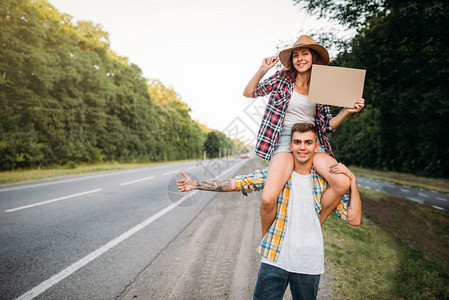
pixel 302 59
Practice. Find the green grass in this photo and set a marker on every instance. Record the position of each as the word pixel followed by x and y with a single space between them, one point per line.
pixel 437 184
pixel 8 177
pixel 401 251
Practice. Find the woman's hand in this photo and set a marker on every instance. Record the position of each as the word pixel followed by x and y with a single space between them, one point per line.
pixel 336 121
pixel 359 104
pixel 269 62
pixel 339 168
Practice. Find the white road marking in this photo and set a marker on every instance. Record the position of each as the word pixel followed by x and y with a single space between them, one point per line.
pixel 435 192
pixel 138 180
pixel 191 168
pixel 437 207
pixel 36 291
pixel 171 172
pixel 405 191
pixel 53 200
pixel 423 195
pixel 90 257
pixel 442 199
pixel 416 200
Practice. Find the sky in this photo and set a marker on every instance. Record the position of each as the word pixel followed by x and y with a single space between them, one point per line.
pixel 206 50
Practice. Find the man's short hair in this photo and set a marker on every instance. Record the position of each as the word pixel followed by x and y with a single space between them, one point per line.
pixel 303 127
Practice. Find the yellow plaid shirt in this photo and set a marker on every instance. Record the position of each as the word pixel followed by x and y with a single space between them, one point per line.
pixel 270 246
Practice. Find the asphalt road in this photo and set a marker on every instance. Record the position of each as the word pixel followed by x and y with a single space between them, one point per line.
pixel 83 237
pixel 214 257
pixel 119 235
pixel 426 197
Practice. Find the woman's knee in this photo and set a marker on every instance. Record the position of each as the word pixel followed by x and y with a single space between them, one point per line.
pixel 340 183
pixel 268 202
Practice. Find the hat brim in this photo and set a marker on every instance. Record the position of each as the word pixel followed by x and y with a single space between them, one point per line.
pixel 285 54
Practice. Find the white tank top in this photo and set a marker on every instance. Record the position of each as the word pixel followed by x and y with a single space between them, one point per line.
pixel 302 250
pixel 299 110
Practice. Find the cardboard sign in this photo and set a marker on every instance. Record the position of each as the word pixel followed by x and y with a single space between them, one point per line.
pixel 336 86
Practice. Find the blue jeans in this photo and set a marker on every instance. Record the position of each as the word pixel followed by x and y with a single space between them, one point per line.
pixel 272 282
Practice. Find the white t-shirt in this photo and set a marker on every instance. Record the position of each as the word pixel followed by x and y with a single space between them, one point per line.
pixel 299 110
pixel 302 250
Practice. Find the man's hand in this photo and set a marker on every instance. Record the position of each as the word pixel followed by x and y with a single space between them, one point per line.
pixel 355 202
pixel 216 185
pixel 339 168
pixel 185 184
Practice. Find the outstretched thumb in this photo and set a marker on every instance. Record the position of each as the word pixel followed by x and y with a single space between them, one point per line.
pixel 184 175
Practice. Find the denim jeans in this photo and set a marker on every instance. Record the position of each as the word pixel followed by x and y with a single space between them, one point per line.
pixel 272 282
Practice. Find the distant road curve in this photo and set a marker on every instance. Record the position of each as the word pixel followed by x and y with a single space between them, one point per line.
pixel 426 197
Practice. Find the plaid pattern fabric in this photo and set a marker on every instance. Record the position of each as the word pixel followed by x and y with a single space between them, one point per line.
pixel 270 246
pixel 322 123
pixel 280 87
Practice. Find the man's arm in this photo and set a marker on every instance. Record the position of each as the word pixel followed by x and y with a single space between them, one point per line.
pixel 355 202
pixel 244 183
pixel 219 185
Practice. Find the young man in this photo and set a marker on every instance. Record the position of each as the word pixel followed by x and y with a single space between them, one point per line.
pixel 293 249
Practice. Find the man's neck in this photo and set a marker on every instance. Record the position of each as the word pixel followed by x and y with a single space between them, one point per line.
pixel 303 168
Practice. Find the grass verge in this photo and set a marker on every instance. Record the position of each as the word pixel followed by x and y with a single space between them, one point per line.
pixel 401 251
pixel 436 184
pixel 8 177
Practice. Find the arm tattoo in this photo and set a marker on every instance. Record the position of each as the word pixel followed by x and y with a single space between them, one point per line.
pixel 219 185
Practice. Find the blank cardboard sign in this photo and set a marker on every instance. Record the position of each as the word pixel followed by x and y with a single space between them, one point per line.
pixel 336 86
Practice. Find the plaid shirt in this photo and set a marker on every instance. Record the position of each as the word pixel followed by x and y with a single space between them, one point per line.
pixel 270 245
pixel 280 87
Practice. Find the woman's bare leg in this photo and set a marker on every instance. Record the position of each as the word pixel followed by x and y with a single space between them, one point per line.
pixel 338 184
pixel 279 171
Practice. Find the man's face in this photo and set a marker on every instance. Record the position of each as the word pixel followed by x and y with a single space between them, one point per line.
pixel 303 146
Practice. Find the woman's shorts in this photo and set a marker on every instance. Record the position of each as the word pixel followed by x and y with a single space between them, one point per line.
pixel 284 140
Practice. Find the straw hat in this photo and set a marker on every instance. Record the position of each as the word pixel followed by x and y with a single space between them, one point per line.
pixel 304 41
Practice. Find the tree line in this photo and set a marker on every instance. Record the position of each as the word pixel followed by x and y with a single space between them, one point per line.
pixel 403 46
pixel 66 97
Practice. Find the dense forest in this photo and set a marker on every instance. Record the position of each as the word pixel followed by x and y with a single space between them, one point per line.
pixel 403 46
pixel 66 97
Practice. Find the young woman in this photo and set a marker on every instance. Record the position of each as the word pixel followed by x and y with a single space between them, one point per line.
pixel 288 90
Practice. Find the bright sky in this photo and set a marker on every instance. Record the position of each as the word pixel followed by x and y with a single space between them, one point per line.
pixel 207 50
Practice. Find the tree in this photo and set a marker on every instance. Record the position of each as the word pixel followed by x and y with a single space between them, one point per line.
pixel 212 145
pixel 403 46
pixel 66 97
